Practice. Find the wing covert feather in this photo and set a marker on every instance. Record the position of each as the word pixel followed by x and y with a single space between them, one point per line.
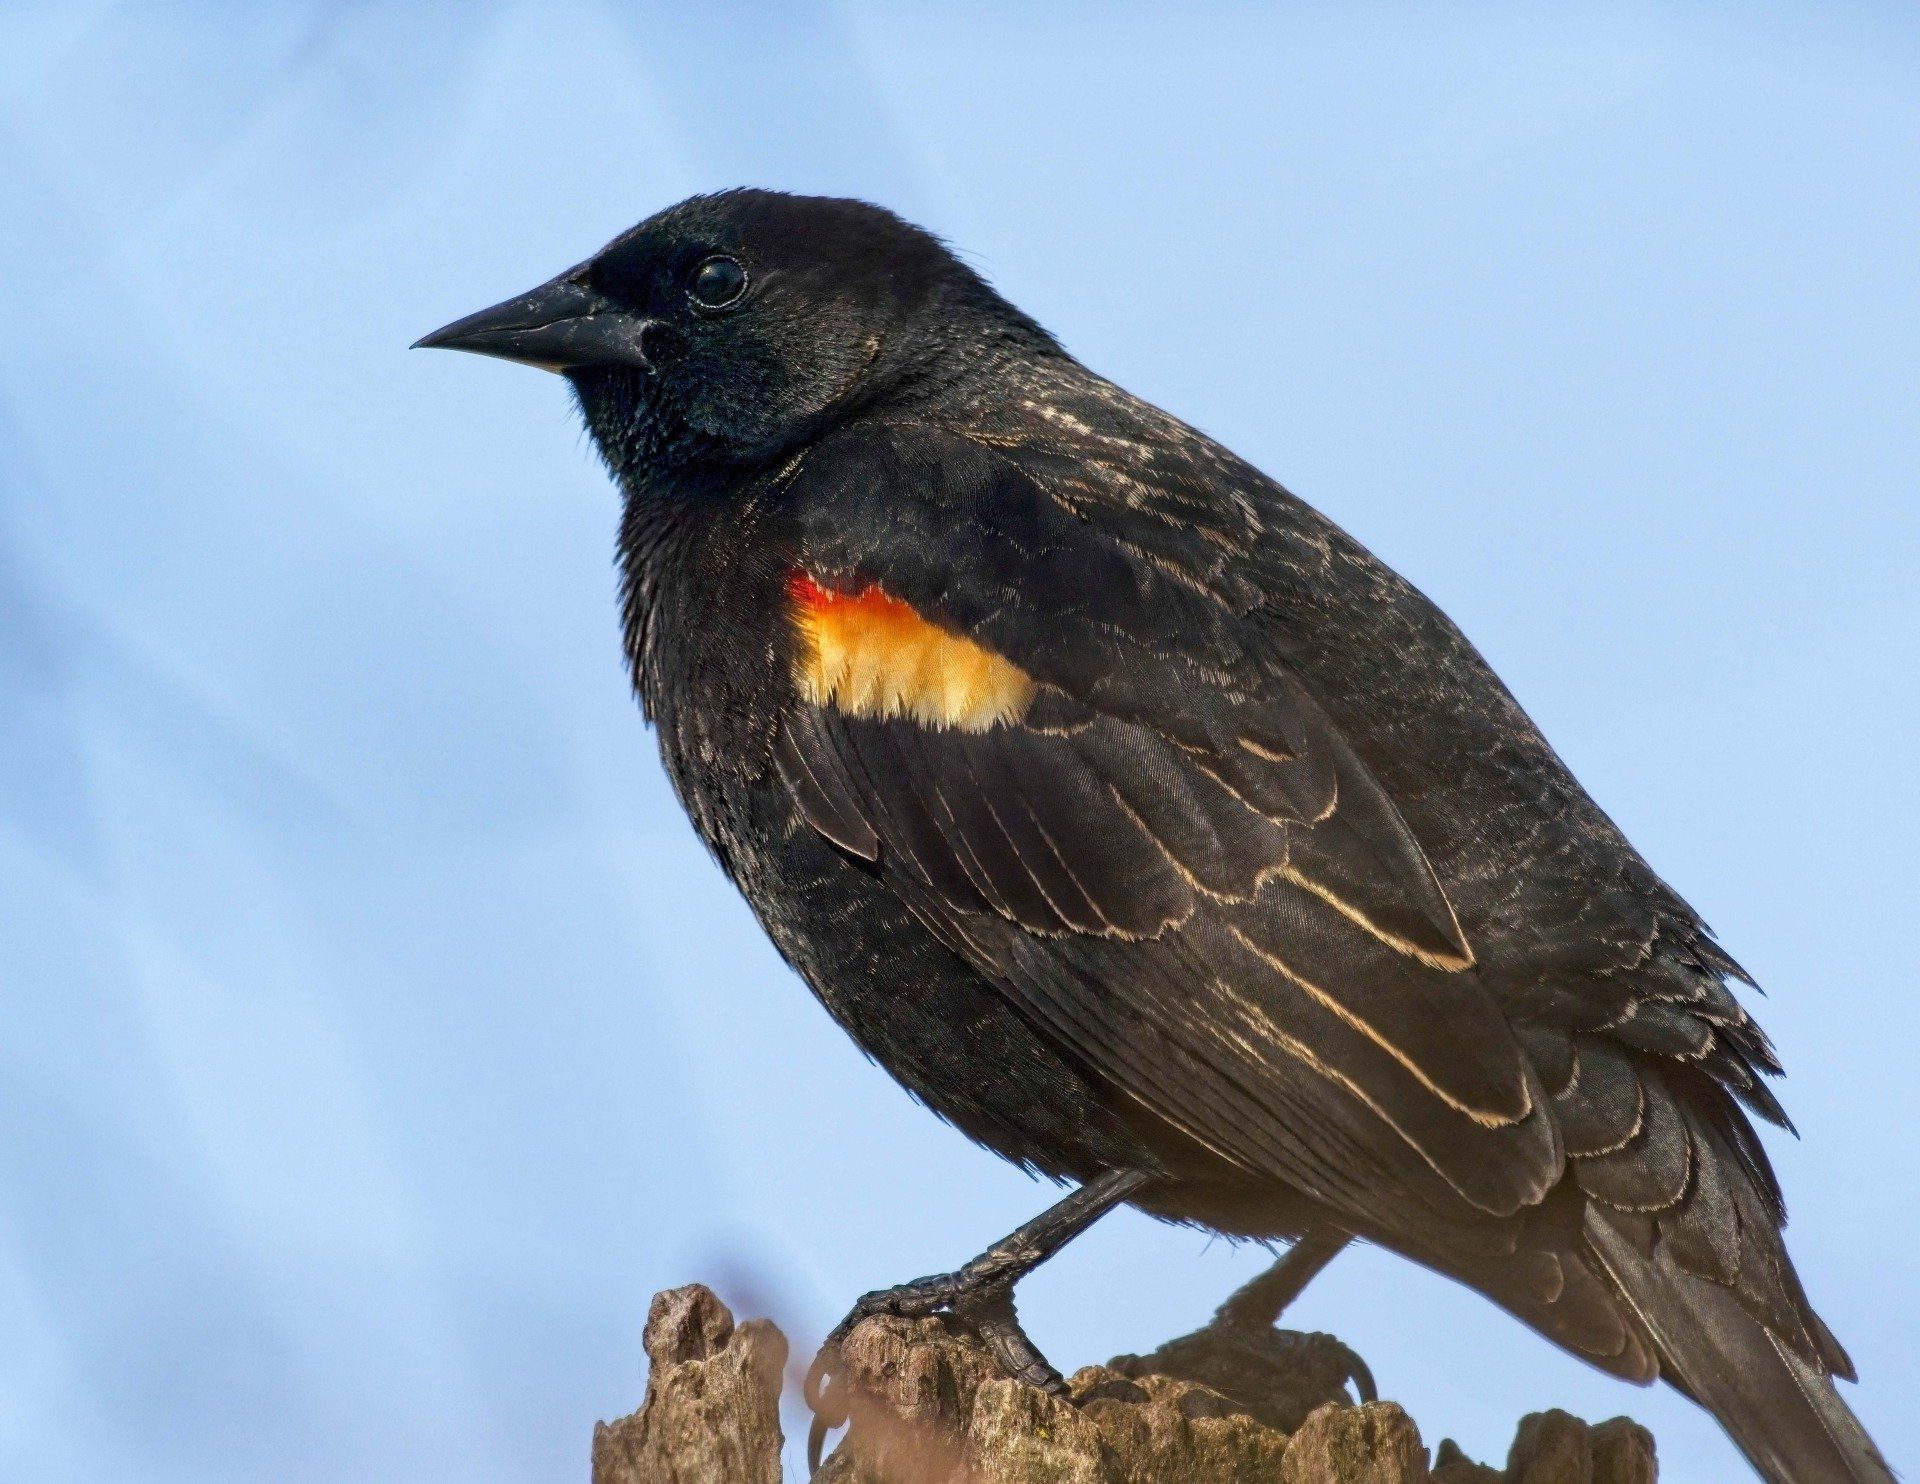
pixel 1253 1015
pixel 1182 871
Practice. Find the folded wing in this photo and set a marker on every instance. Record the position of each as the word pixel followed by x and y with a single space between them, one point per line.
pixel 1161 848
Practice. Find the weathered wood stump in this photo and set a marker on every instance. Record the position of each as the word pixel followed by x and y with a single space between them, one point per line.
pixel 928 1407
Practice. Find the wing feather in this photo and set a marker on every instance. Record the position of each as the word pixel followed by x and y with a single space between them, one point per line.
pixel 1036 866
pixel 1172 860
pixel 1187 874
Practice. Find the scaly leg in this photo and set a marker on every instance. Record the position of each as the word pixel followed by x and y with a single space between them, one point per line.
pixel 1260 1303
pixel 1256 1306
pixel 980 1295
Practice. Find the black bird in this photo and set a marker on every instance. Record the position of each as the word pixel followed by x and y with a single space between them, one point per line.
pixel 1148 829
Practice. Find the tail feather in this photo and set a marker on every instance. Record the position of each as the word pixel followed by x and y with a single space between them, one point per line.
pixel 1779 1407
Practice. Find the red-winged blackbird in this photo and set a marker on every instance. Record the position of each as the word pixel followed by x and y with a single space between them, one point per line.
pixel 1147 828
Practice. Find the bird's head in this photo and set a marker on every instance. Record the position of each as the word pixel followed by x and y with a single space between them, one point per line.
pixel 732 328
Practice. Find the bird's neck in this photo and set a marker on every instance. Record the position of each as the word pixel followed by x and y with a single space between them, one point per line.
pixel 702 605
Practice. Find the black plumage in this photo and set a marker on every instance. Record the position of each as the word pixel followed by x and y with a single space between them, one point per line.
pixel 1152 832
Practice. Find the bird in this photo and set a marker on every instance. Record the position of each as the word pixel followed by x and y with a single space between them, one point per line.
pixel 1149 830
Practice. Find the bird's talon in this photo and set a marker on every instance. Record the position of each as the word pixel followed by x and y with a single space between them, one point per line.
pixel 822 1376
pixel 1044 1378
pixel 824 1388
pixel 825 1393
pixel 1359 1377
pixel 817 1431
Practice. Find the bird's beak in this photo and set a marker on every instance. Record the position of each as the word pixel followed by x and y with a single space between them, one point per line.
pixel 560 325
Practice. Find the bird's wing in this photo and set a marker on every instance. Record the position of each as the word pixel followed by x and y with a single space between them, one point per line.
pixel 1092 778
pixel 1074 755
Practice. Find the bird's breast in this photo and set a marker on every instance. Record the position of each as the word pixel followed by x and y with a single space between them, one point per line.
pixel 869 654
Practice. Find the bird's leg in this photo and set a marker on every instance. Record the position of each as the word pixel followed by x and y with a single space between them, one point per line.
pixel 1260 1303
pixel 1256 1306
pixel 979 1294
pixel 1276 1376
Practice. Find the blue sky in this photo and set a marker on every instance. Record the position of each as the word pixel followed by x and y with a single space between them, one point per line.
pixel 380 1039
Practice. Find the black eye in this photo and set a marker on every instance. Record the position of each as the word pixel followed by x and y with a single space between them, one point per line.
pixel 717 282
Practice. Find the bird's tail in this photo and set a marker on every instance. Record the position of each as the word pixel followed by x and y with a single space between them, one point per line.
pixel 1780 1408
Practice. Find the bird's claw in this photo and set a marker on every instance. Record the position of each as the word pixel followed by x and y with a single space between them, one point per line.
pixel 989 1314
pixel 826 1395
pixel 825 1388
pixel 908 1301
pixel 817 1431
pixel 984 1308
pixel 1359 1377
pixel 1353 1370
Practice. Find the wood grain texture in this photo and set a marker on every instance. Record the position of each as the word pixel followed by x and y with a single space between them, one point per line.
pixel 934 1410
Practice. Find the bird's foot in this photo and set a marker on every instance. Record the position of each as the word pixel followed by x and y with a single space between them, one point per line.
pixel 1358 1376
pixel 1277 1376
pixel 979 1297
pixel 1322 1355
pixel 1329 1355
pixel 1243 1341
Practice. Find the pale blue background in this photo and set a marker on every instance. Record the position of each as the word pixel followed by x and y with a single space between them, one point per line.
pixel 378 1038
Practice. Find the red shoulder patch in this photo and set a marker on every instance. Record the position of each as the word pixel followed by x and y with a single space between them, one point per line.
pixel 870 654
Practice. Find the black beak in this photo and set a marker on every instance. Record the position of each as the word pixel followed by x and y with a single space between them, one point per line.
pixel 560 325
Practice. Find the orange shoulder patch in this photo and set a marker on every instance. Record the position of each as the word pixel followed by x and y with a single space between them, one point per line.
pixel 869 654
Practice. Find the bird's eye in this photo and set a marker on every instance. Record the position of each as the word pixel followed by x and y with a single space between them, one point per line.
pixel 717 282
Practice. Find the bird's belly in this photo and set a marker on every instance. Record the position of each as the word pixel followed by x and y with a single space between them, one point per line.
pixel 941 1030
